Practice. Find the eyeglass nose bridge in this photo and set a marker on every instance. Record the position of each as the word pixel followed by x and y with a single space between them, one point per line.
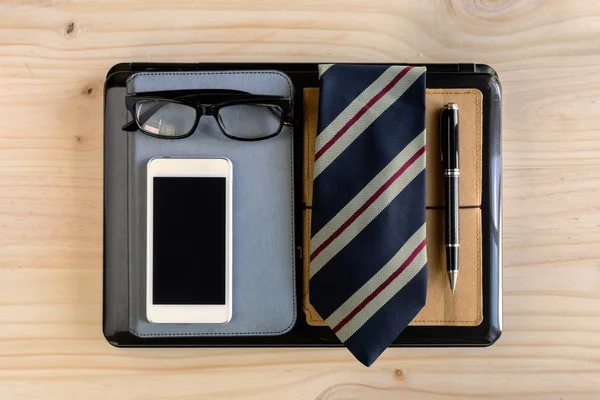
pixel 206 110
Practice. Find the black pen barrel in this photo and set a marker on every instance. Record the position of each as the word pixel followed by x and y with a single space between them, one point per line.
pixel 452 258
pixel 452 227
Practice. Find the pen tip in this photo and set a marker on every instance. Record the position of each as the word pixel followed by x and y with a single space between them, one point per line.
pixel 453 275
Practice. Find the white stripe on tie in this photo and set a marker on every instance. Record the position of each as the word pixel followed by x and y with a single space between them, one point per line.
pixel 384 296
pixel 361 198
pixel 376 280
pixel 366 119
pixel 323 68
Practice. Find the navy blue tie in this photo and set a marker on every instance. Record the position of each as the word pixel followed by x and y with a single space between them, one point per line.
pixel 368 268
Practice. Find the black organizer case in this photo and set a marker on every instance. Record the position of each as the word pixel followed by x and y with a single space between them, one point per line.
pixel 441 76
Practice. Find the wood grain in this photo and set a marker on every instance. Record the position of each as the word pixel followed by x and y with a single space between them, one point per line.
pixel 53 58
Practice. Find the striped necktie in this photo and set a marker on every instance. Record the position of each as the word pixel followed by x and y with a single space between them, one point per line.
pixel 368 262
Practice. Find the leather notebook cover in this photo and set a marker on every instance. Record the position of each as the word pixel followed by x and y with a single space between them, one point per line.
pixel 263 209
pixel 464 307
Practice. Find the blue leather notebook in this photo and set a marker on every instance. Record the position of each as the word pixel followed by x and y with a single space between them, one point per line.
pixel 264 290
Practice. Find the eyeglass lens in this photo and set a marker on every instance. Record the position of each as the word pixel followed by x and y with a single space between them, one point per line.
pixel 165 118
pixel 250 121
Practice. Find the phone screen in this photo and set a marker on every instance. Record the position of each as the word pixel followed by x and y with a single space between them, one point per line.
pixel 189 240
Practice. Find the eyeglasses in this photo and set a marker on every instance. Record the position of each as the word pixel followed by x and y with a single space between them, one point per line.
pixel 176 114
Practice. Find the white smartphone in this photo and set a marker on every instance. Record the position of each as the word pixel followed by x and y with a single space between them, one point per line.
pixel 188 251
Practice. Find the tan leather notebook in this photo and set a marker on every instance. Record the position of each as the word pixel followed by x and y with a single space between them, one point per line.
pixel 464 307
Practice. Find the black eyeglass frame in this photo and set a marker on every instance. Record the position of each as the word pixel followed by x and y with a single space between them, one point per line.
pixel 203 101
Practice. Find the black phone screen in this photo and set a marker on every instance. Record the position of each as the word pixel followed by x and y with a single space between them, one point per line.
pixel 189 231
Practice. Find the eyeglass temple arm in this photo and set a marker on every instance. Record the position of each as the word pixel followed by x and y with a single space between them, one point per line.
pixel 284 118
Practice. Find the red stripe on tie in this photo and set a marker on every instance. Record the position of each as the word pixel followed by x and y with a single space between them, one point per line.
pixel 366 205
pixel 361 112
pixel 380 288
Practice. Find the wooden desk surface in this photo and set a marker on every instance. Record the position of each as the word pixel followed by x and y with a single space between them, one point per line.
pixel 53 59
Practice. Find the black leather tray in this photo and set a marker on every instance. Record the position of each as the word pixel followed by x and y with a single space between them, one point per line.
pixel 477 76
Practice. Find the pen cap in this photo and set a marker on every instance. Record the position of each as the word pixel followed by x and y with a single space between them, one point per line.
pixel 449 136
